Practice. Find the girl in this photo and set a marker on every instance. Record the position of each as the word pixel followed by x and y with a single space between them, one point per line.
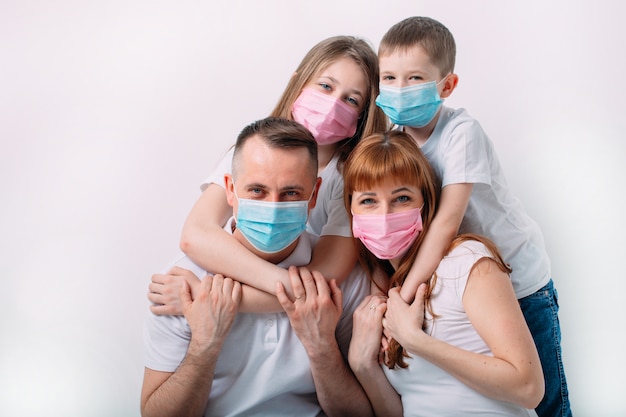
pixel 462 347
pixel 332 93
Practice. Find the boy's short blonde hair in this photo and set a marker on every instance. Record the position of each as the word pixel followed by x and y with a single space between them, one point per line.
pixel 428 33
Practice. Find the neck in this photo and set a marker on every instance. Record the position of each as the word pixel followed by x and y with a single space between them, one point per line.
pixel 324 154
pixel 274 258
pixel 421 134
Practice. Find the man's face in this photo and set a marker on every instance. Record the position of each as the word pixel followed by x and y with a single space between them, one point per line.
pixel 272 175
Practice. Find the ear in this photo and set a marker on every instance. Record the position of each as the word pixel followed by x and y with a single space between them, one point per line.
pixel 229 185
pixel 316 189
pixel 449 85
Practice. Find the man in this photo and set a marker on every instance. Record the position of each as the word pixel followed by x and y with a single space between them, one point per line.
pixel 215 361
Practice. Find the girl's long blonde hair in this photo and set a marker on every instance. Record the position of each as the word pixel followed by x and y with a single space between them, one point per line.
pixel 325 53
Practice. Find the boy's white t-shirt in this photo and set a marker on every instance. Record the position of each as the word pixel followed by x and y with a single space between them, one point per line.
pixel 460 152
pixel 328 217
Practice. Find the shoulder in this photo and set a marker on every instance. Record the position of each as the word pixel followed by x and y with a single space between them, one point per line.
pixel 457 120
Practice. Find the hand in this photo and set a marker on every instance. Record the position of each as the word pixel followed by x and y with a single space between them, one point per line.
pixel 315 312
pixel 212 313
pixel 165 289
pixel 402 319
pixel 367 331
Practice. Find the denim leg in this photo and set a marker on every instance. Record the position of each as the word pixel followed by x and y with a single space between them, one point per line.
pixel 541 312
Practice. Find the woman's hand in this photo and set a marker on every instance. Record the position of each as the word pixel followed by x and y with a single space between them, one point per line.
pixel 365 346
pixel 404 321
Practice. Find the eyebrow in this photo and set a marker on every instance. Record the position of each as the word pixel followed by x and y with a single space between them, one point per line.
pixel 285 188
pixel 401 189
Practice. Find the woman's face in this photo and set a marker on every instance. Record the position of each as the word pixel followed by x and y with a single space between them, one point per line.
pixel 343 80
pixel 389 196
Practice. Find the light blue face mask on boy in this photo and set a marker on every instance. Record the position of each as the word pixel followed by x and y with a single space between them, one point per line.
pixel 414 106
pixel 271 226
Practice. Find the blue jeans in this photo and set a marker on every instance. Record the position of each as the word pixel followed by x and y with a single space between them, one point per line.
pixel 541 312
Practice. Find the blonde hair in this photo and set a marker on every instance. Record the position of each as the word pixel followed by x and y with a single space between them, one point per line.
pixel 325 53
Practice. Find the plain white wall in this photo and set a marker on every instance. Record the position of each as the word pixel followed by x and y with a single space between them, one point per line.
pixel 111 114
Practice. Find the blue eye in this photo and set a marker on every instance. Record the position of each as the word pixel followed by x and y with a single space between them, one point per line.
pixel 353 101
pixel 325 86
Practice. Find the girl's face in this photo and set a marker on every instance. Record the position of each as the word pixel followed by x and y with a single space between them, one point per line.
pixel 343 80
pixel 389 196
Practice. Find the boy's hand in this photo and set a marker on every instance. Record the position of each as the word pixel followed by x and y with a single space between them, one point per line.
pixel 164 291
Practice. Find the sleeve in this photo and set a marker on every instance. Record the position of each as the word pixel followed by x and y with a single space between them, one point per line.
pixel 166 338
pixel 466 154
pixel 223 167
pixel 355 288
pixel 337 222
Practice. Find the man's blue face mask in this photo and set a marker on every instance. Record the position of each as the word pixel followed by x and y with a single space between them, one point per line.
pixel 413 106
pixel 271 226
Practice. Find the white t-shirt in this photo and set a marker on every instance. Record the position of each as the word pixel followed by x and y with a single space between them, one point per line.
pixel 428 390
pixel 329 217
pixel 263 369
pixel 460 152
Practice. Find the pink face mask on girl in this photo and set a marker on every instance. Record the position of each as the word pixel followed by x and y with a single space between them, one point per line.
pixel 329 119
pixel 388 236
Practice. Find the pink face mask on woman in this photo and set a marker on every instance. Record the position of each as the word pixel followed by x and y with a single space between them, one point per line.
pixel 388 236
pixel 329 119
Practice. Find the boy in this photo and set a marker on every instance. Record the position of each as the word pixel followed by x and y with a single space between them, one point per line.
pixel 416 58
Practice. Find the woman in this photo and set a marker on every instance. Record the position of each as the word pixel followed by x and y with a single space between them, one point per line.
pixel 332 93
pixel 463 346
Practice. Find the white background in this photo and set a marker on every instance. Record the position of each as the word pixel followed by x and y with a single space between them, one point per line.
pixel 113 112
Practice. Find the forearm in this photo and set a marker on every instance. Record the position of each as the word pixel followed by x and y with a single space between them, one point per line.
pixel 187 390
pixel 338 391
pixel 334 256
pixel 432 250
pixel 491 376
pixel 382 396
pixel 257 301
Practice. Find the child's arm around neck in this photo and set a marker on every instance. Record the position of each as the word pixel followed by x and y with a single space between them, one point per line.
pixel 443 229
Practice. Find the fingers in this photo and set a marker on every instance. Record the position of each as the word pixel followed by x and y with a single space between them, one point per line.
pixel 336 293
pixel 281 294
pixel 185 295
pixel 297 286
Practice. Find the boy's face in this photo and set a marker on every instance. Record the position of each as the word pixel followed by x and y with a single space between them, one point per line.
pixel 403 68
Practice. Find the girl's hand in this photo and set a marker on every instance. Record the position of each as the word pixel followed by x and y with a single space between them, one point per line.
pixel 164 291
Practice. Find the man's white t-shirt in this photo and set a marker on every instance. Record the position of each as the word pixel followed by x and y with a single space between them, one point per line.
pixel 263 369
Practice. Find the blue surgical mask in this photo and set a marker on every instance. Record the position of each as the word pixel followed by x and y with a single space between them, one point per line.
pixel 271 226
pixel 413 106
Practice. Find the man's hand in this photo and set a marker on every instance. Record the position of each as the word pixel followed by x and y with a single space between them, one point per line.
pixel 164 290
pixel 211 314
pixel 315 312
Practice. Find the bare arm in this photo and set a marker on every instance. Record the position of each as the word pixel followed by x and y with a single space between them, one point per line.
pixel 513 373
pixel 210 316
pixel 443 229
pixel 365 357
pixel 313 316
pixel 212 248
